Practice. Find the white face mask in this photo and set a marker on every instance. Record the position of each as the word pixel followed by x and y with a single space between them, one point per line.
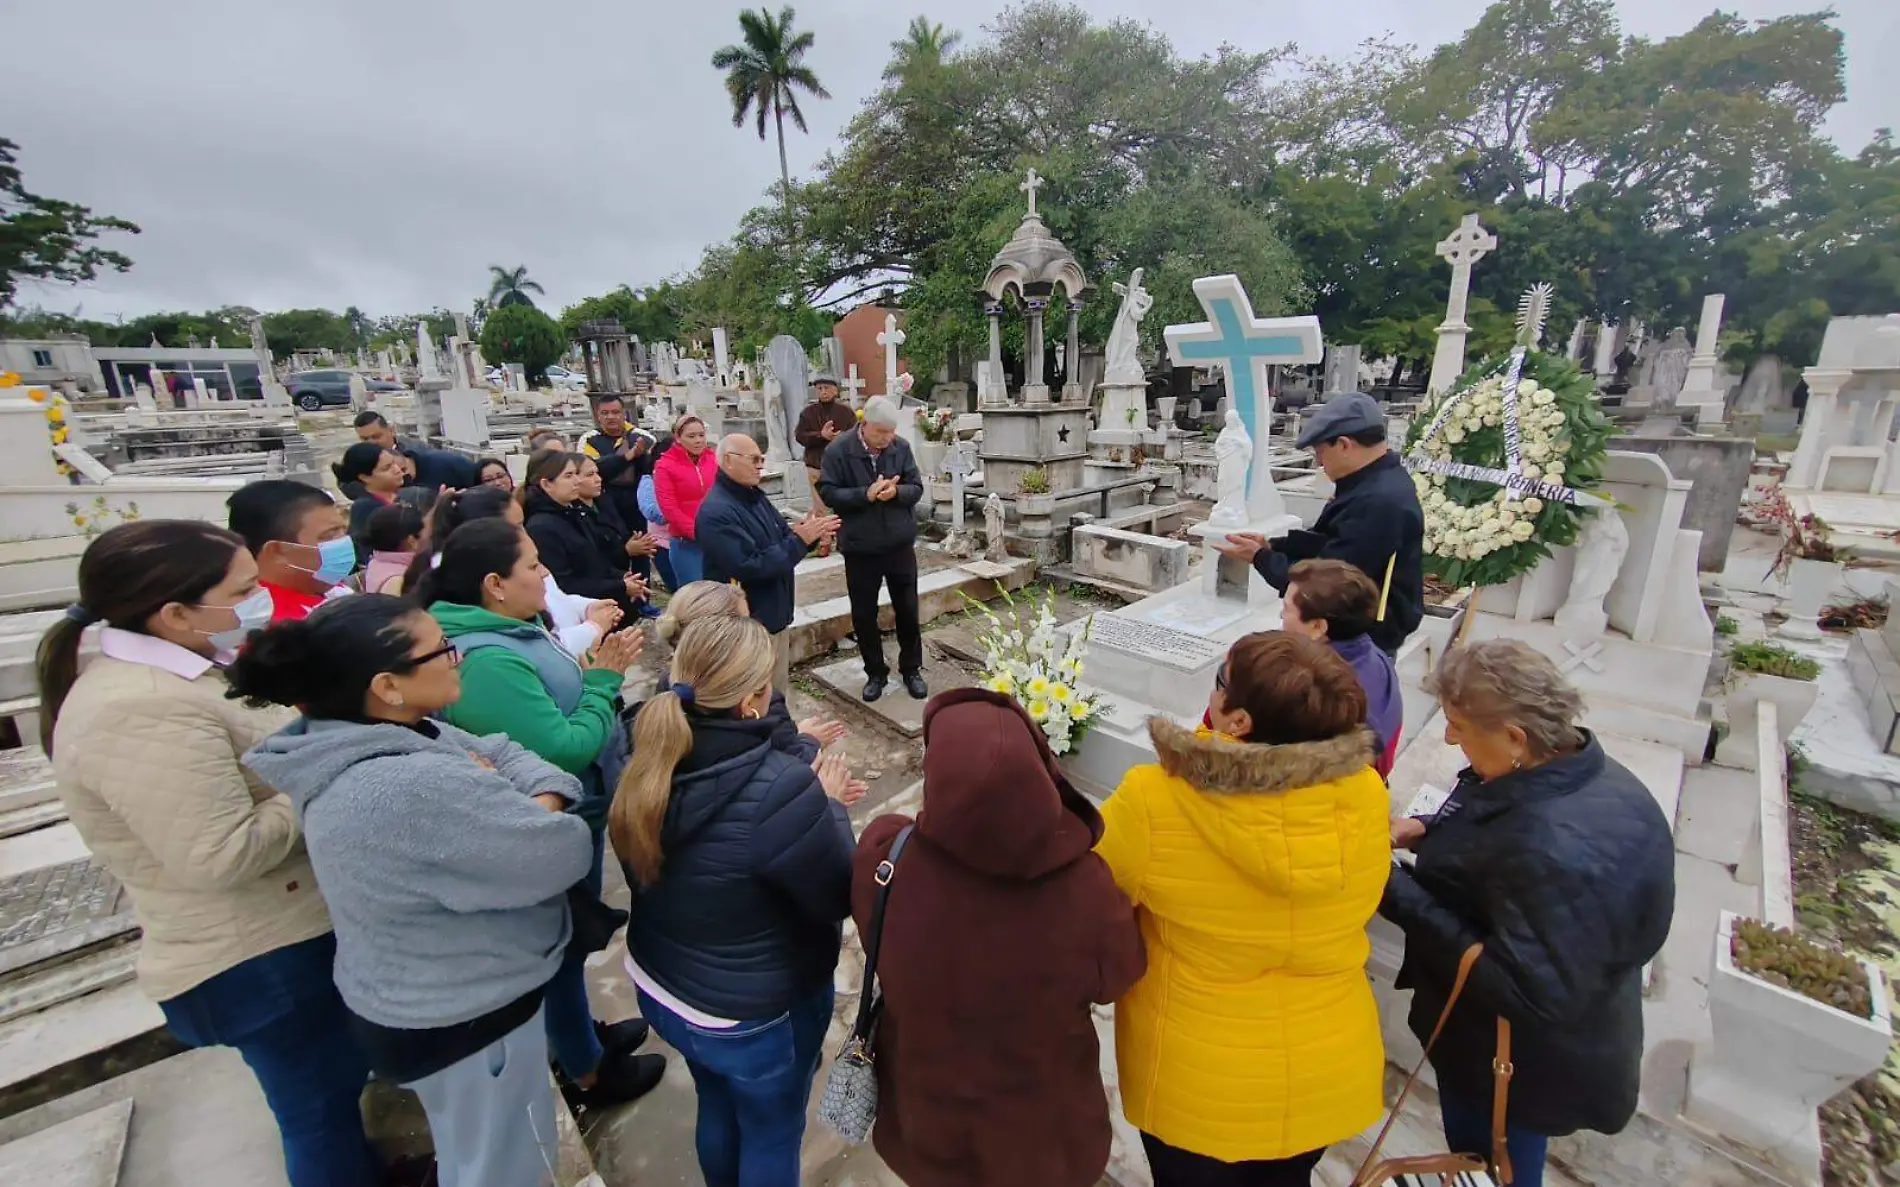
pixel 253 614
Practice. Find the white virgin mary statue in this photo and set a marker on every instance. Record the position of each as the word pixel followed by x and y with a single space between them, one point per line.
pixel 1233 453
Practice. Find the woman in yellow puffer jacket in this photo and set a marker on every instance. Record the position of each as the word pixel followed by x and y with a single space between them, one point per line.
pixel 1255 853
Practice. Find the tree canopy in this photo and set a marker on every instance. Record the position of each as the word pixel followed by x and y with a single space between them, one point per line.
pixel 525 335
pixel 1633 174
pixel 47 238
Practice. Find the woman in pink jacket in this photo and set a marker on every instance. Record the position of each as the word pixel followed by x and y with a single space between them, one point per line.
pixel 681 479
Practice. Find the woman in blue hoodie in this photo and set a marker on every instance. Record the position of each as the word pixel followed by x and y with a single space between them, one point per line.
pixel 445 859
pixel 1335 603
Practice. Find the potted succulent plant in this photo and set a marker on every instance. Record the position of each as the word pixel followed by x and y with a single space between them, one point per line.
pixel 1795 1023
pixel 1034 494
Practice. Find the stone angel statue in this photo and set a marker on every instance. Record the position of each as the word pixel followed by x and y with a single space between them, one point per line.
pixel 1121 355
pixel 1602 543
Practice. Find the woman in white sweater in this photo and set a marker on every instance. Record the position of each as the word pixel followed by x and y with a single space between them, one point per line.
pixel 237 947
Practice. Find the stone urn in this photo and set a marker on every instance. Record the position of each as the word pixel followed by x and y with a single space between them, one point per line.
pixel 1777 1056
pixel 930 457
pixel 1165 406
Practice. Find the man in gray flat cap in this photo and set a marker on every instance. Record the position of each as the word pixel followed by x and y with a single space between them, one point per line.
pixel 819 424
pixel 1373 521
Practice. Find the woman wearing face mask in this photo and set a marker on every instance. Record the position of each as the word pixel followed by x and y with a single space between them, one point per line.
pixel 145 747
pixel 681 478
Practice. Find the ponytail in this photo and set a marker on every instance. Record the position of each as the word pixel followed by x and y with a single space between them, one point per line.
pixel 322 665
pixel 127 575
pixel 661 737
pixel 719 663
pixel 56 664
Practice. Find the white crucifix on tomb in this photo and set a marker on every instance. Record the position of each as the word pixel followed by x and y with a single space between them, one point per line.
pixel 1030 185
pixel 853 385
pixel 1464 247
pixel 1245 346
pixel 890 339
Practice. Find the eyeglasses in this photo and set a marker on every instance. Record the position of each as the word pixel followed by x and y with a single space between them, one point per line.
pixel 757 459
pixel 1220 678
pixel 417 661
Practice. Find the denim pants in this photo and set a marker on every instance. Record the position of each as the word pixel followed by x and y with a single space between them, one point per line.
pixel 1468 1131
pixel 663 561
pixel 570 1018
pixel 281 1013
pixel 689 563
pixel 754 1083
pixel 492 1113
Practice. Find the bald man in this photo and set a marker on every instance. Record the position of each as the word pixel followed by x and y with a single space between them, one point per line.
pixel 745 539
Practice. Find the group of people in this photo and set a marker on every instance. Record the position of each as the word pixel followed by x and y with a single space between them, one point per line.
pixel 365 830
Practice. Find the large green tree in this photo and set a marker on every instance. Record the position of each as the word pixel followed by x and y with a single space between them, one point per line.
pixel 47 238
pixel 525 335
pixel 764 73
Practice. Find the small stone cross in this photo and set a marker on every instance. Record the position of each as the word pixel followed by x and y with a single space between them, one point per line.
pixel 1582 656
pixel 852 385
pixel 1030 185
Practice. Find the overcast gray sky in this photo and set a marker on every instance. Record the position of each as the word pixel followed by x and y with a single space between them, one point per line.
pixel 382 153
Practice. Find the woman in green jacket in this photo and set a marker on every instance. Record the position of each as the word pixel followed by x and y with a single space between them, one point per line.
pixel 489 593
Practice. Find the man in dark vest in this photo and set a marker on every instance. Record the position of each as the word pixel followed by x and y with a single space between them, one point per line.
pixel 1373 521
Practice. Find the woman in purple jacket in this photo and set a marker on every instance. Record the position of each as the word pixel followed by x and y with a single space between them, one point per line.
pixel 1335 603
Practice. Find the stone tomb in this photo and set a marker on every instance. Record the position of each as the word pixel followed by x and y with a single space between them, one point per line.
pixel 1853 391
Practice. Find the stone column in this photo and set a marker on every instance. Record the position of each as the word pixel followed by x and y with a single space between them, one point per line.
pixel 1817 427
pixel 1072 358
pixel 1703 363
pixel 994 390
pixel 1604 364
pixel 1035 391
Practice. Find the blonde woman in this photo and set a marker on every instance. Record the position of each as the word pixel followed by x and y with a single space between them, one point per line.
pixel 722 599
pixel 740 859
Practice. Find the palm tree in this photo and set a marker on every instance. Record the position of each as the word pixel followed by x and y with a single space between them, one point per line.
pixel 766 72
pixel 923 44
pixel 511 286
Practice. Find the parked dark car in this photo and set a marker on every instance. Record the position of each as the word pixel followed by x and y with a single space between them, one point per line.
pixel 311 390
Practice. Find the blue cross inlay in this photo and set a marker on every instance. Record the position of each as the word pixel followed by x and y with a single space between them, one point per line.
pixel 1238 350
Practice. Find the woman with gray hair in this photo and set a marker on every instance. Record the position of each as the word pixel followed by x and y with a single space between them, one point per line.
pixel 1556 858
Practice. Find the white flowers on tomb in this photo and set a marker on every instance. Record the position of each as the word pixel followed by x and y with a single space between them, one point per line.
pixel 1024 658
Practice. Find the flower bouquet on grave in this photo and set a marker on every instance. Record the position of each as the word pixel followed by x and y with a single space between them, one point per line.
pixel 1023 657
pixel 934 424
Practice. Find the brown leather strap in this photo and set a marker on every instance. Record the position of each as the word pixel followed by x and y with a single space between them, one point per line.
pixel 1501 1072
pixel 1465 964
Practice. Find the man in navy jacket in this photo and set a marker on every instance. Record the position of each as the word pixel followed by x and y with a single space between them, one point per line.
pixel 746 540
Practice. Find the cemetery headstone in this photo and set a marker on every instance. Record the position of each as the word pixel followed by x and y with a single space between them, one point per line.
pixel 1342 370
pixel 1465 246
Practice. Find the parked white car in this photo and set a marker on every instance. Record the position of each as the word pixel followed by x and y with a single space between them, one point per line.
pixel 561 377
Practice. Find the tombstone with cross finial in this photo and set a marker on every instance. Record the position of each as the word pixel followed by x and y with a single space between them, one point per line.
pixel 890 338
pixel 1466 245
pixel 853 387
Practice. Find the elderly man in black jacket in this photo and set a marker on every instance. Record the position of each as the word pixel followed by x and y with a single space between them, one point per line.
pixel 746 540
pixel 870 479
pixel 1373 520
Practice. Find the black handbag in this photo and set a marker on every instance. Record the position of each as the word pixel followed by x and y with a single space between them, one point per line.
pixel 849 1104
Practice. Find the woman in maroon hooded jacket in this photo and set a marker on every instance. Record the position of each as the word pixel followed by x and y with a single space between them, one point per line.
pixel 1001 929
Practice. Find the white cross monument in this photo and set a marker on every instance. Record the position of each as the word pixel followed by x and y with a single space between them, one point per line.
pixel 1245 345
pixel 890 339
pixel 1029 186
pixel 1461 249
pixel 852 386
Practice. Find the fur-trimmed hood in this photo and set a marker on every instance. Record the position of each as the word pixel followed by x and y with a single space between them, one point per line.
pixel 1214 763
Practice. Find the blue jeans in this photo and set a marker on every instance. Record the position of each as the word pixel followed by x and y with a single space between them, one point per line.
pixel 282 1014
pixel 570 1018
pixel 754 1083
pixel 1468 1131
pixel 663 561
pixel 689 563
